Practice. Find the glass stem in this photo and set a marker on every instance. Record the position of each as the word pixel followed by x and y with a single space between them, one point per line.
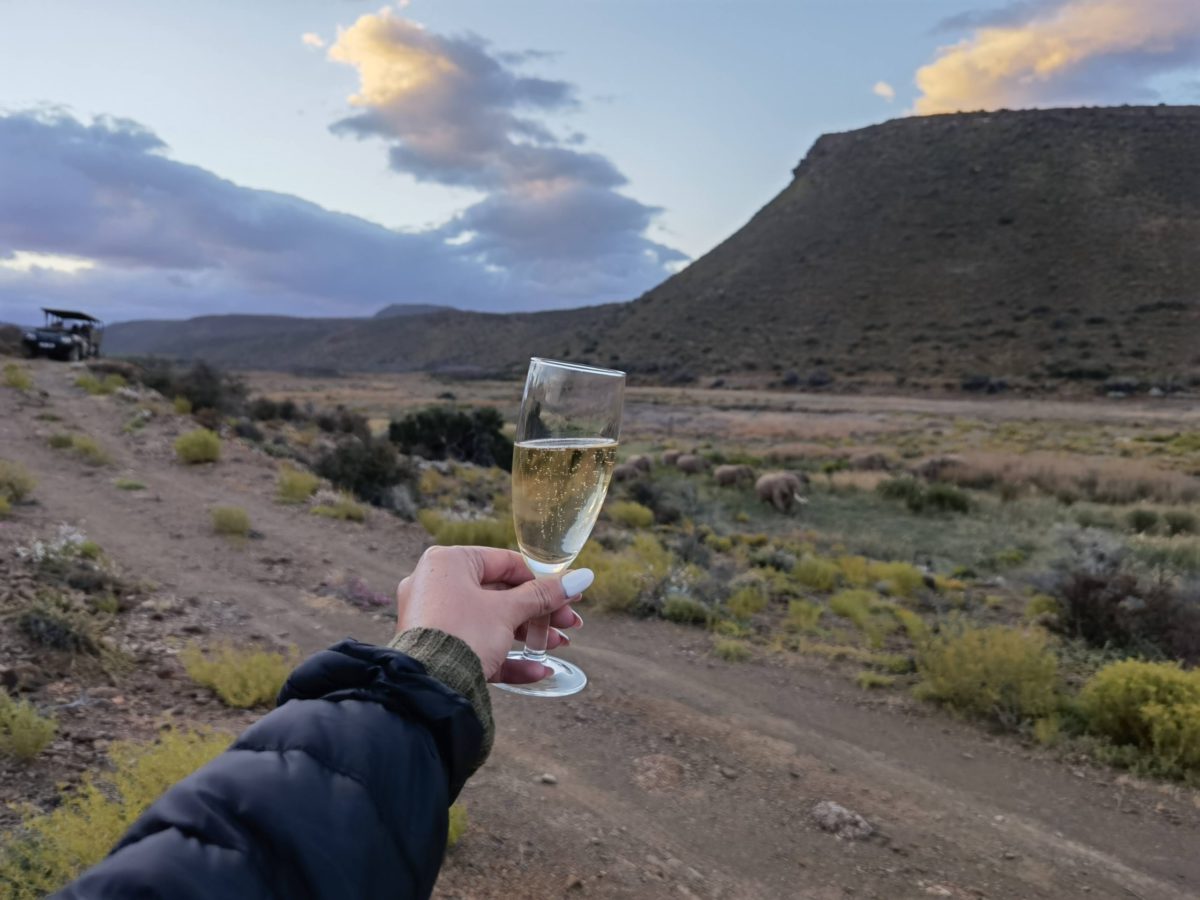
pixel 537 633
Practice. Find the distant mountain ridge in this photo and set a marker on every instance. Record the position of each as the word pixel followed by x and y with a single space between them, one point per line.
pixel 411 309
pixel 1037 246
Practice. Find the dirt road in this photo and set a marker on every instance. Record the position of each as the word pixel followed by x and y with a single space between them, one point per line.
pixel 673 774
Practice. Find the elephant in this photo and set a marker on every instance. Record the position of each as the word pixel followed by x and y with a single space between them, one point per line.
pixel 727 476
pixel 669 457
pixel 780 489
pixel 626 472
pixel 691 464
pixel 641 461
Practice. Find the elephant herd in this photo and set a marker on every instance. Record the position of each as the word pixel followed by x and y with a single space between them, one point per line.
pixel 783 490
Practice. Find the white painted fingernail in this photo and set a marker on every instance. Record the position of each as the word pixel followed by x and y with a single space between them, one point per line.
pixel 578 619
pixel 562 634
pixel 577 581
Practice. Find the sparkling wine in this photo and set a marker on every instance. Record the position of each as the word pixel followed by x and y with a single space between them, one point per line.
pixel 558 488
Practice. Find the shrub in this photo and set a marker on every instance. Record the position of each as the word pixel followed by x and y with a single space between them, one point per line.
pixel 731 650
pixel 50 621
pixel 369 469
pixel 1179 521
pixel 59 441
pixel 626 577
pixel 481 532
pixel 89 451
pixel 15 481
pixel 248 431
pixel 94 386
pixel 865 610
pixel 1040 605
pixel 1008 675
pixel 906 490
pixel 24 733
pixel 129 484
pixel 202 386
pixel 913 625
pixel 264 409
pixel 51 849
pixel 747 601
pixel 295 485
pixel 685 610
pixel 816 573
pixel 1141 520
pixel 5 506
pixel 868 680
pixel 198 446
pixel 856 570
pixel 182 405
pixel 901 579
pixel 230 520
pixel 918 498
pixel 443 433
pixel 458 824
pixel 945 498
pixel 343 507
pixel 241 678
pixel 17 377
pixel 1152 707
pixel 803 615
pixel 630 514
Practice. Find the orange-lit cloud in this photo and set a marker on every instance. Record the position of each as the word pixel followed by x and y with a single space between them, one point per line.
pixel 1065 53
pixel 884 90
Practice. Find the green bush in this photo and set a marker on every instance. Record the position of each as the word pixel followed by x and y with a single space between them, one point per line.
pixel 747 601
pixel 868 680
pixel 458 824
pixel 914 626
pixel 865 610
pixel 24 733
pixel 1008 675
pixel 17 377
pixel 685 610
pixel 82 446
pixel 50 849
pixel 901 579
pixel 295 485
pixel 443 433
pixel 51 621
pixel 15 481
pixel 241 678
pixel 5 506
pixel 182 405
pixel 129 484
pixel 731 650
pixel 945 498
pixel 59 441
pixel 199 446
pixel 908 490
pixel 1152 707
pixel 367 468
pixel 468 532
pixel 1041 605
pixel 1141 520
pixel 230 520
pixel 630 514
pixel 629 575
pixel 343 508
pixel 803 615
pixel 817 574
pixel 1180 521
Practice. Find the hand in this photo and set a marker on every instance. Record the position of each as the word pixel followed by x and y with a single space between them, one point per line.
pixel 485 597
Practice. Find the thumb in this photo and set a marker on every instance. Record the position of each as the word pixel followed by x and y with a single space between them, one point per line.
pixel 543 596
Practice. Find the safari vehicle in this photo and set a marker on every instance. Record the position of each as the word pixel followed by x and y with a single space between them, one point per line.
pixel 66 335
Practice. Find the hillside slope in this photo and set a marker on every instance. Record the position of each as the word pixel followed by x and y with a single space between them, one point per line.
pixel 1040 245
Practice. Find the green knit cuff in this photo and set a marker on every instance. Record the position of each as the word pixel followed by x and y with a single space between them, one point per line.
pixel 454 664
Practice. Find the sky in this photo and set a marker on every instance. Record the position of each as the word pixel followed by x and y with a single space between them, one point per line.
pixel 328 157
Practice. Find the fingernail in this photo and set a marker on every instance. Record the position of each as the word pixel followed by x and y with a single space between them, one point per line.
pixel 577 581
pixel 562 634
pixel 578 619
pixel 547 671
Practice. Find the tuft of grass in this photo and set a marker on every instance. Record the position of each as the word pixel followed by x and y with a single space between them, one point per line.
pixel 866 611
pixel 747 601
pixel 5 506
pixel 24 733
pixel 868 680
pixel 182 406
pixel 914 626
pixel 901 579
pixel 51 849
pixel 481 532
pixel 230 520
pixel 129 484
pixel 344 507
pixel 99 388
pixel 630 514
pixel 17 377
pixel 685 610
pixel 458 824
pixel 629 575
pixel 199 446
pixel 51 622
pixel 295 485
pixel 1180 521
pixel 242 678
pixel 803 615
pixel 86 448
pixel 1041 605
pixel 1141 520
pixel 59 441
pixel 731 650
pixel 817 574
pixel 1008 675
pixel 15 481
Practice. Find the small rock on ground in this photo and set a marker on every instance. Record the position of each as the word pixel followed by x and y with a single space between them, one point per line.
pixel 845 823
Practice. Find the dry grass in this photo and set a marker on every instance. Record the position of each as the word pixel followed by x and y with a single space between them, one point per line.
pixel 24 733
pixel 242 678
pixel 230 520
pixel 296 485
pixel 17 377
pixel 15 481
pixel 199 446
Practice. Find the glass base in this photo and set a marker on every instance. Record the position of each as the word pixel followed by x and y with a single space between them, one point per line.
pixel 565 680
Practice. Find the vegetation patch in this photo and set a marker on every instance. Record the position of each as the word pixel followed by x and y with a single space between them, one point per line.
pixel 631 578
pixel 129 484
pixel 482 532
pixel 630 514
pixel 445 433
pixel 48 850
pixel 340 506
pixel 230 520
pixel 868 680
pixel 24 732
pixel 731 650
pixel 295 485
pixel 679 607
pixel 98 387
pixel 241 677
pixel 16 484
pixel 199 446
pixel 17 377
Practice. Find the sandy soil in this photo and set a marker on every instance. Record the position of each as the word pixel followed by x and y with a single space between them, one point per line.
pixel 673 774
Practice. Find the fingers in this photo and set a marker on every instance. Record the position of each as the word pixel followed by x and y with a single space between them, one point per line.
pixel 520 671
pixel 544 595
pixel 502 566
pixel 554 637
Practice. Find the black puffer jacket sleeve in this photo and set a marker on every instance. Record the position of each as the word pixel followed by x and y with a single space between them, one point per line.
pixel 341 792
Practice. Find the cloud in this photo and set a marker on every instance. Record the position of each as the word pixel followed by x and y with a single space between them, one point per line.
pixel 454 112
pixel 1069 52
pixel 167 239
pixel 884 90
pixel 312 39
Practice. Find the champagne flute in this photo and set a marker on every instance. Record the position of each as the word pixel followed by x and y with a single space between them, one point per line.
pixel 566 446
